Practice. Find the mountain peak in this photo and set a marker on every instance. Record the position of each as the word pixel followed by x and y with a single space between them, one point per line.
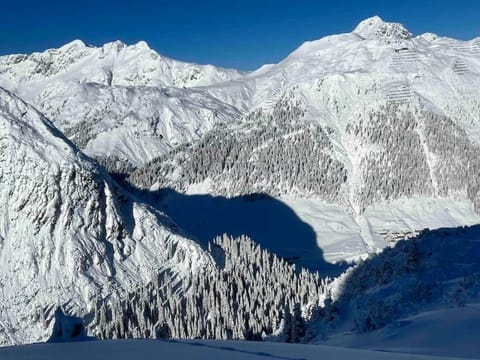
pixel 375 28
pixel 369 23
pixel 428 36
pixel 77 43
pixel 142 45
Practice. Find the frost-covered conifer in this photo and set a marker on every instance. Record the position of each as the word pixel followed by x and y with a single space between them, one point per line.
pixel 243 299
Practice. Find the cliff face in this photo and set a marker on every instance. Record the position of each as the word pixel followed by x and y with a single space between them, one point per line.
pixel 68 234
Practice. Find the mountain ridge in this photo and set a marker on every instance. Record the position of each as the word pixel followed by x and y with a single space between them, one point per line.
pixel 329 96
pixel 365 138
pixel 68 233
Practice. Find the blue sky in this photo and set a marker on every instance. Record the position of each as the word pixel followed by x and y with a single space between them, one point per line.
pixel 241 34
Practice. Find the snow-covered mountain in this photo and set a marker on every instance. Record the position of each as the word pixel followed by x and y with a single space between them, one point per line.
pixel 112 64
pixel 362 134
pixel 68 234
pixel 131 103
pixel 355 140
pixel 119 101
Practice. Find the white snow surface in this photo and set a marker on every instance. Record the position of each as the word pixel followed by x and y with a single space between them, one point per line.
pixel 68 234
pixel 130 101
pixel 195 349
pixel 133 103
pixel 344 236
pixel 444 332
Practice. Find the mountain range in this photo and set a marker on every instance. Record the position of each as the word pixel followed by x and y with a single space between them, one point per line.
pixel 118 164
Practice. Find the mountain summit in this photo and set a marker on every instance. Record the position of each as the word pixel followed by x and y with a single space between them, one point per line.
pixel 376 28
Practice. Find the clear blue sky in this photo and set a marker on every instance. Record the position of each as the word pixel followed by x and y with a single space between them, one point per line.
pixel 241 34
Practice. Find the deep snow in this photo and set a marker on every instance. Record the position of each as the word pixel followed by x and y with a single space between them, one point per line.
pixel 195 349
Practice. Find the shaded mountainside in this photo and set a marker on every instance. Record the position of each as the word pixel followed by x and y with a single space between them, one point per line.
pixel 417 286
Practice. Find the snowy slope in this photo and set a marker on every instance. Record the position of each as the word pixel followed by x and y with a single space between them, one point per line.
pixel 359 138
pixel 131 123
pixel 118 96
pixel 445 332
pixel 420 296
pixel 345 236
pixel 113 64
pixel 68 234
pixel 377 127
pixel 362 67
pixel 183 349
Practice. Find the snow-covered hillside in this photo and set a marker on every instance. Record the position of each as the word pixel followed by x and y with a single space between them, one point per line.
pixel 351 143
pixel 127 102
pixel 197 349
pixel 373 122
pixel 68 233
pixel 423 294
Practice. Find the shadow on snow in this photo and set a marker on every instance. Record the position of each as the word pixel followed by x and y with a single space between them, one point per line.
pixel 266 220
